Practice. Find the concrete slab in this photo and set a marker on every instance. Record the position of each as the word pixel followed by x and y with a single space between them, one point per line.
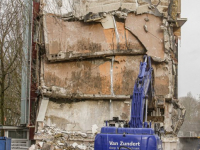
pixel 42 109
pixel 153 38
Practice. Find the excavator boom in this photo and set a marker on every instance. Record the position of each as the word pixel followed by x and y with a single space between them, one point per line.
pixel 140 95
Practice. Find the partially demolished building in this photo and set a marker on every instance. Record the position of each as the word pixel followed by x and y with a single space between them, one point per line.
pixel 85 59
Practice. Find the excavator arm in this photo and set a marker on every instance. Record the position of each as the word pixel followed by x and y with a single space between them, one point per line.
pixel 143 85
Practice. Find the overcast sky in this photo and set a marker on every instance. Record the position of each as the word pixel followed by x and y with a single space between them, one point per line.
pixel 189 50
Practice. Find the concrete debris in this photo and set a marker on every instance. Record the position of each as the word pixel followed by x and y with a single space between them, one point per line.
pixel 67 16
pixel 94 129
pixel 43 108
pixel 148 9
pixel 145 28
pixel 40 144
pixel 81 9
pixel 143 9
pixel 146 19
pixel 177 120
pixel 81 146
pixel 158 59
pixel 129 7
pixel 59 3
pixel 74 144
pixel 93 11
pixel 94 16
pixel 120 14
pixel 91 17
pixel 60 139
pixel 107 22
pixel 33 147
pixel 163 27
pixel 169 43
pixel 173 10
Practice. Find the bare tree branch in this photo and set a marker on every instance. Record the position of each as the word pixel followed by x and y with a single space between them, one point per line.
pixel 12 22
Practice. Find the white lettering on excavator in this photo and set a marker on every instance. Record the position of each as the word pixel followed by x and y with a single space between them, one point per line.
pixel 129 143
pixel 122 143
pixel 113 143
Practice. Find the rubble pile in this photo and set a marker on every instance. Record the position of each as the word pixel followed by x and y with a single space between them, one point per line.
pixel 57 139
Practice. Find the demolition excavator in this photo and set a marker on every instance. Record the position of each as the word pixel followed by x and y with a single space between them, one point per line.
pixel 138 133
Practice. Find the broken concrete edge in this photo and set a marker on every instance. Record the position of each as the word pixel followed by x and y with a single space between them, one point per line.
pixel 95 14
pixel 170 139
pixel 70 56
pixel 121 12
pixel 86 96
pixel 127 28
pixel 58 92
pixel 158 60
pixel 65 56
pixel 148 9
pixel 79 10
pixel 92 17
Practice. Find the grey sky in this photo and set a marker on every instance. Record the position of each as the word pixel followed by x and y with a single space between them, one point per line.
pixel 189 50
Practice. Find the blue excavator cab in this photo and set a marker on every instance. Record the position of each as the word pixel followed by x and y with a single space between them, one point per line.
pixel 137 134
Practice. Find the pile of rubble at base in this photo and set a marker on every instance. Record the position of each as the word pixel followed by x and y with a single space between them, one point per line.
pixel 51 147
pixel 57 139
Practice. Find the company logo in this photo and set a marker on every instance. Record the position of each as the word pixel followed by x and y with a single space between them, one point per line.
pixel 122 143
